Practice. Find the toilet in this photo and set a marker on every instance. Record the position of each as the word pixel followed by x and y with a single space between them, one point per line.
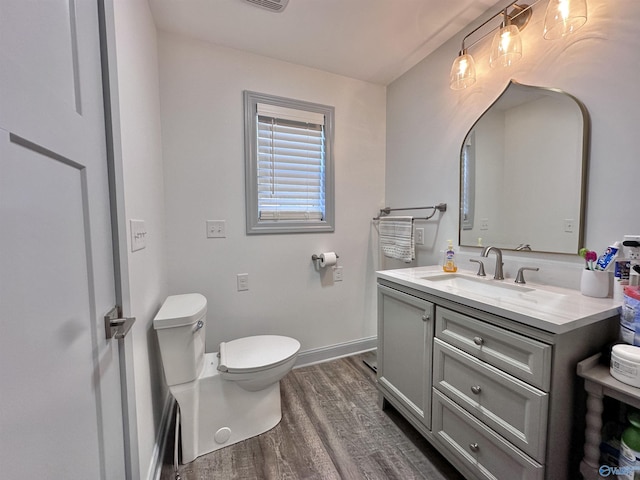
pixel 223 397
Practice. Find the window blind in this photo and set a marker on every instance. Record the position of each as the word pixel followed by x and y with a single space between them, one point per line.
pixel 291 163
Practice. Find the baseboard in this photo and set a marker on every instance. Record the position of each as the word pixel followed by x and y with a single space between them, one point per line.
pixel 332 352
pixel 168 414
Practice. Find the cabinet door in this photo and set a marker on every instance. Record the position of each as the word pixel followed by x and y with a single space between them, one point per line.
pixel 405 334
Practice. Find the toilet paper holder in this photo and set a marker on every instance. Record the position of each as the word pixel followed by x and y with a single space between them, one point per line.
pixel 316 257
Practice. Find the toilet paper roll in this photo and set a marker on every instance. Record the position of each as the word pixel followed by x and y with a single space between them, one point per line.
pixel 328 259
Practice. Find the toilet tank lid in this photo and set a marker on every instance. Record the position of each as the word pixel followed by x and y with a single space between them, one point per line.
pixel 180 310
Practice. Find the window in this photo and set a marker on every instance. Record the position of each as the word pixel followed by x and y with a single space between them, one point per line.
pixel 288 165
pixel 468 182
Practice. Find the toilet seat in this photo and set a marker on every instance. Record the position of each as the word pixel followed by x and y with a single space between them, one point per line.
pixel 256 353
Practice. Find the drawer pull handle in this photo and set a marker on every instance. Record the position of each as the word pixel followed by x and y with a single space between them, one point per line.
pixel 425 317
pixel 478 341
pixel 476 389
pixel 474 447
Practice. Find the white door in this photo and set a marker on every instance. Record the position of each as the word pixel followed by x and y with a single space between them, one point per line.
pixel 60 404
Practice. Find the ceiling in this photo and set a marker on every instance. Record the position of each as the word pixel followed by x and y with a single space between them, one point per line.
pixel 371 40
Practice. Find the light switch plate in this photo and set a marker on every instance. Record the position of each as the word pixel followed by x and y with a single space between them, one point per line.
pixel 216 228
pixel 138 235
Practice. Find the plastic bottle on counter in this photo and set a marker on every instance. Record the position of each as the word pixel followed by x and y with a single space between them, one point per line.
pixel 621 270
pixel 629 461
pixel 449 264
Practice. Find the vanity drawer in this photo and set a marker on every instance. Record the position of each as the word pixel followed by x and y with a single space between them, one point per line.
pixel 522 357
pixel 482 450
pixel 512 408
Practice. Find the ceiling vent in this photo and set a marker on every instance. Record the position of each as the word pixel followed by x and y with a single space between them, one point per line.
pixel 271 5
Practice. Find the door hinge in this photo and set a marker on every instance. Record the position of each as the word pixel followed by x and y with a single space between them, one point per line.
pixel 117 326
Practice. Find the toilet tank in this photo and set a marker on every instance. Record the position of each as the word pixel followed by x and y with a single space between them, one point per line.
pixel 180 325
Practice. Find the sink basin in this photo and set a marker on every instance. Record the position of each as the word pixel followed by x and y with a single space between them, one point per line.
pixel 490 288
pixel 477 285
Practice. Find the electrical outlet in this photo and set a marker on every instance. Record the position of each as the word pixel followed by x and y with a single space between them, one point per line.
pixel 242 280
pixel 337 274
pixel 419 236
pixel 216 228
pixel 484 224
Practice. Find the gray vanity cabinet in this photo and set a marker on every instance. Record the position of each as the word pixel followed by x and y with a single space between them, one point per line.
pixel 495 396
pixel 405 330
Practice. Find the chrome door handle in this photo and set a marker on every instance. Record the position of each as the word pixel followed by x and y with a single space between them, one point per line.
pixel 115 325
pixel 425 317
pixel 474 447
pixel 478 341
pixel 476 389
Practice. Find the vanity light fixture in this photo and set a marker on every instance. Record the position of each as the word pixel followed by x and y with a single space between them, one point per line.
pixel 507 43
pixel 506 47
pixel 562 18
pixel 463 70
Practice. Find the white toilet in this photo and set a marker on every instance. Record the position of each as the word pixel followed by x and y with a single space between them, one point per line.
pixel 223 397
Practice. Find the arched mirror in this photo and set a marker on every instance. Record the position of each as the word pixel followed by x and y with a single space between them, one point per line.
pixel 523 171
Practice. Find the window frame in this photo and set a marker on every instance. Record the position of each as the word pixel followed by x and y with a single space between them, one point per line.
pixel 254 224
pixel 468 183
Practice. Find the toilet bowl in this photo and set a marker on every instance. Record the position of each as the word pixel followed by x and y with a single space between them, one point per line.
pixel 223 397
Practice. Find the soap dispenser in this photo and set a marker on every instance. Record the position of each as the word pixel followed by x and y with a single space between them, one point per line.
pixel 449 264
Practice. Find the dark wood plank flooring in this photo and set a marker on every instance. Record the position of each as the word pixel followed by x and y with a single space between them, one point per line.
pixel 331 428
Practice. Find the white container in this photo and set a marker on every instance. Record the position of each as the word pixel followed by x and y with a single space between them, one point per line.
pixel 595 283
pixel 625 364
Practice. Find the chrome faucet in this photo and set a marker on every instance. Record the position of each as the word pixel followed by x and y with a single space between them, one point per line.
pixel 498 275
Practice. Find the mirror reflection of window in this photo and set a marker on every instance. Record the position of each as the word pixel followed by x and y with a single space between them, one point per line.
pixel 468 181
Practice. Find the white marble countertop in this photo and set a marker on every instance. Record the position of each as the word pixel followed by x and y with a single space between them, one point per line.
pixel 549 308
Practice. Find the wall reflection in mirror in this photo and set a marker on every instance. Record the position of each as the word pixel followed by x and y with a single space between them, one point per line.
pixel 523 172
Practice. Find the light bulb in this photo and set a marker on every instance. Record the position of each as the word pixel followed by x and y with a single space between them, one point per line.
pixel 506 47
pixel 564 17
pixel 463 71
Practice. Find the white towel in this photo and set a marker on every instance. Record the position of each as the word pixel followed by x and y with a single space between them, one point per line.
pixel 396 238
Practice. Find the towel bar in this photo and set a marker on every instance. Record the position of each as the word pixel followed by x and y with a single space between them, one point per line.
pixel 442 207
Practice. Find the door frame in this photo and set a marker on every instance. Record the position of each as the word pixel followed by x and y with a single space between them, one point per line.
pixel 118 230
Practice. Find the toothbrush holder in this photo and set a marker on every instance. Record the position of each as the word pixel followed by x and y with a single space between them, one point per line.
pixel 595 283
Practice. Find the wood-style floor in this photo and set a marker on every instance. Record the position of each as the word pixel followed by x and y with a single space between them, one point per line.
pixel 331 428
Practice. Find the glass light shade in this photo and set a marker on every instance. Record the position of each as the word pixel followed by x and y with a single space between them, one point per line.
pixel 506 47
pixel 463 72
pixel 564 17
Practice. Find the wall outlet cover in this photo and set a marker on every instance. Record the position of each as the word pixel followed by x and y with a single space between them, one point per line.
pixel 337 274
pixel 242 281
